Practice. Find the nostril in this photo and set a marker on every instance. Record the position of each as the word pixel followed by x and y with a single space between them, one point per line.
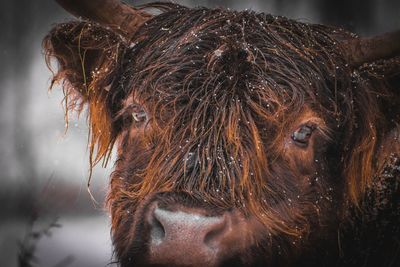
pixel 157 231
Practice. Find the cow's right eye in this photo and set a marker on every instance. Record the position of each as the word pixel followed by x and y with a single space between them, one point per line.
pixel 135 115
pixel 139 114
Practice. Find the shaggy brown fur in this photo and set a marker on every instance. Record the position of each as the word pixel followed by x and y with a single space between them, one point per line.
pixel 224 90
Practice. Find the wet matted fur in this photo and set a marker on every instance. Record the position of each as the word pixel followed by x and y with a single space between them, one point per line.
pixel 223 92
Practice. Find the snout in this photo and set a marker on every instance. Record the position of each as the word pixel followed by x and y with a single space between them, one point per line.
pixel 186 236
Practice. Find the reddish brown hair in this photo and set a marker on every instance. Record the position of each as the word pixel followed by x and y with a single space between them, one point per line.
pixel 271 66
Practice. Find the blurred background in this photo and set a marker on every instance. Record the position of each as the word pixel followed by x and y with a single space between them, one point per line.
pixel 46 209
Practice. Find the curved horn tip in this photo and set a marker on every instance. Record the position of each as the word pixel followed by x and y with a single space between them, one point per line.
pixel 112 13
pixel 363 50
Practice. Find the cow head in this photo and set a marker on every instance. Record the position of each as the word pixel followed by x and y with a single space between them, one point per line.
pixel 242 138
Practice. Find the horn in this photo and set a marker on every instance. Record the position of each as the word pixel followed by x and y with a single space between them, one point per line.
pixel 363 50
pixel 119 16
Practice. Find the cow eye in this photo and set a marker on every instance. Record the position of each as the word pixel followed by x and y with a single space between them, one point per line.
pixel 302 135
pixel 139 115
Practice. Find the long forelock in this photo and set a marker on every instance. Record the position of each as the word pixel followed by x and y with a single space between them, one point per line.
pixel 217 55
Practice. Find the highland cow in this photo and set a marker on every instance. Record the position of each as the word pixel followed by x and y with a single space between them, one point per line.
pixel 243 139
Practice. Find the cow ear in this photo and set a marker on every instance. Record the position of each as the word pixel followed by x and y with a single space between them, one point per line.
pixel 87 56
pixel 387 70
pixel 375 63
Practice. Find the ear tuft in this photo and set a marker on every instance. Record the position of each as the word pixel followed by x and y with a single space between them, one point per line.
pixel 87 55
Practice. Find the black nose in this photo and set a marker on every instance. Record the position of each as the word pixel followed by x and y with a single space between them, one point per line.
pixel 187 238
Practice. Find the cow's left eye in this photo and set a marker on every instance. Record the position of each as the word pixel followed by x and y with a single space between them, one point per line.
pixel 302 135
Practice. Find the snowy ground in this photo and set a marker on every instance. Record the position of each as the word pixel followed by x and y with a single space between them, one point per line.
pixel 86 239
